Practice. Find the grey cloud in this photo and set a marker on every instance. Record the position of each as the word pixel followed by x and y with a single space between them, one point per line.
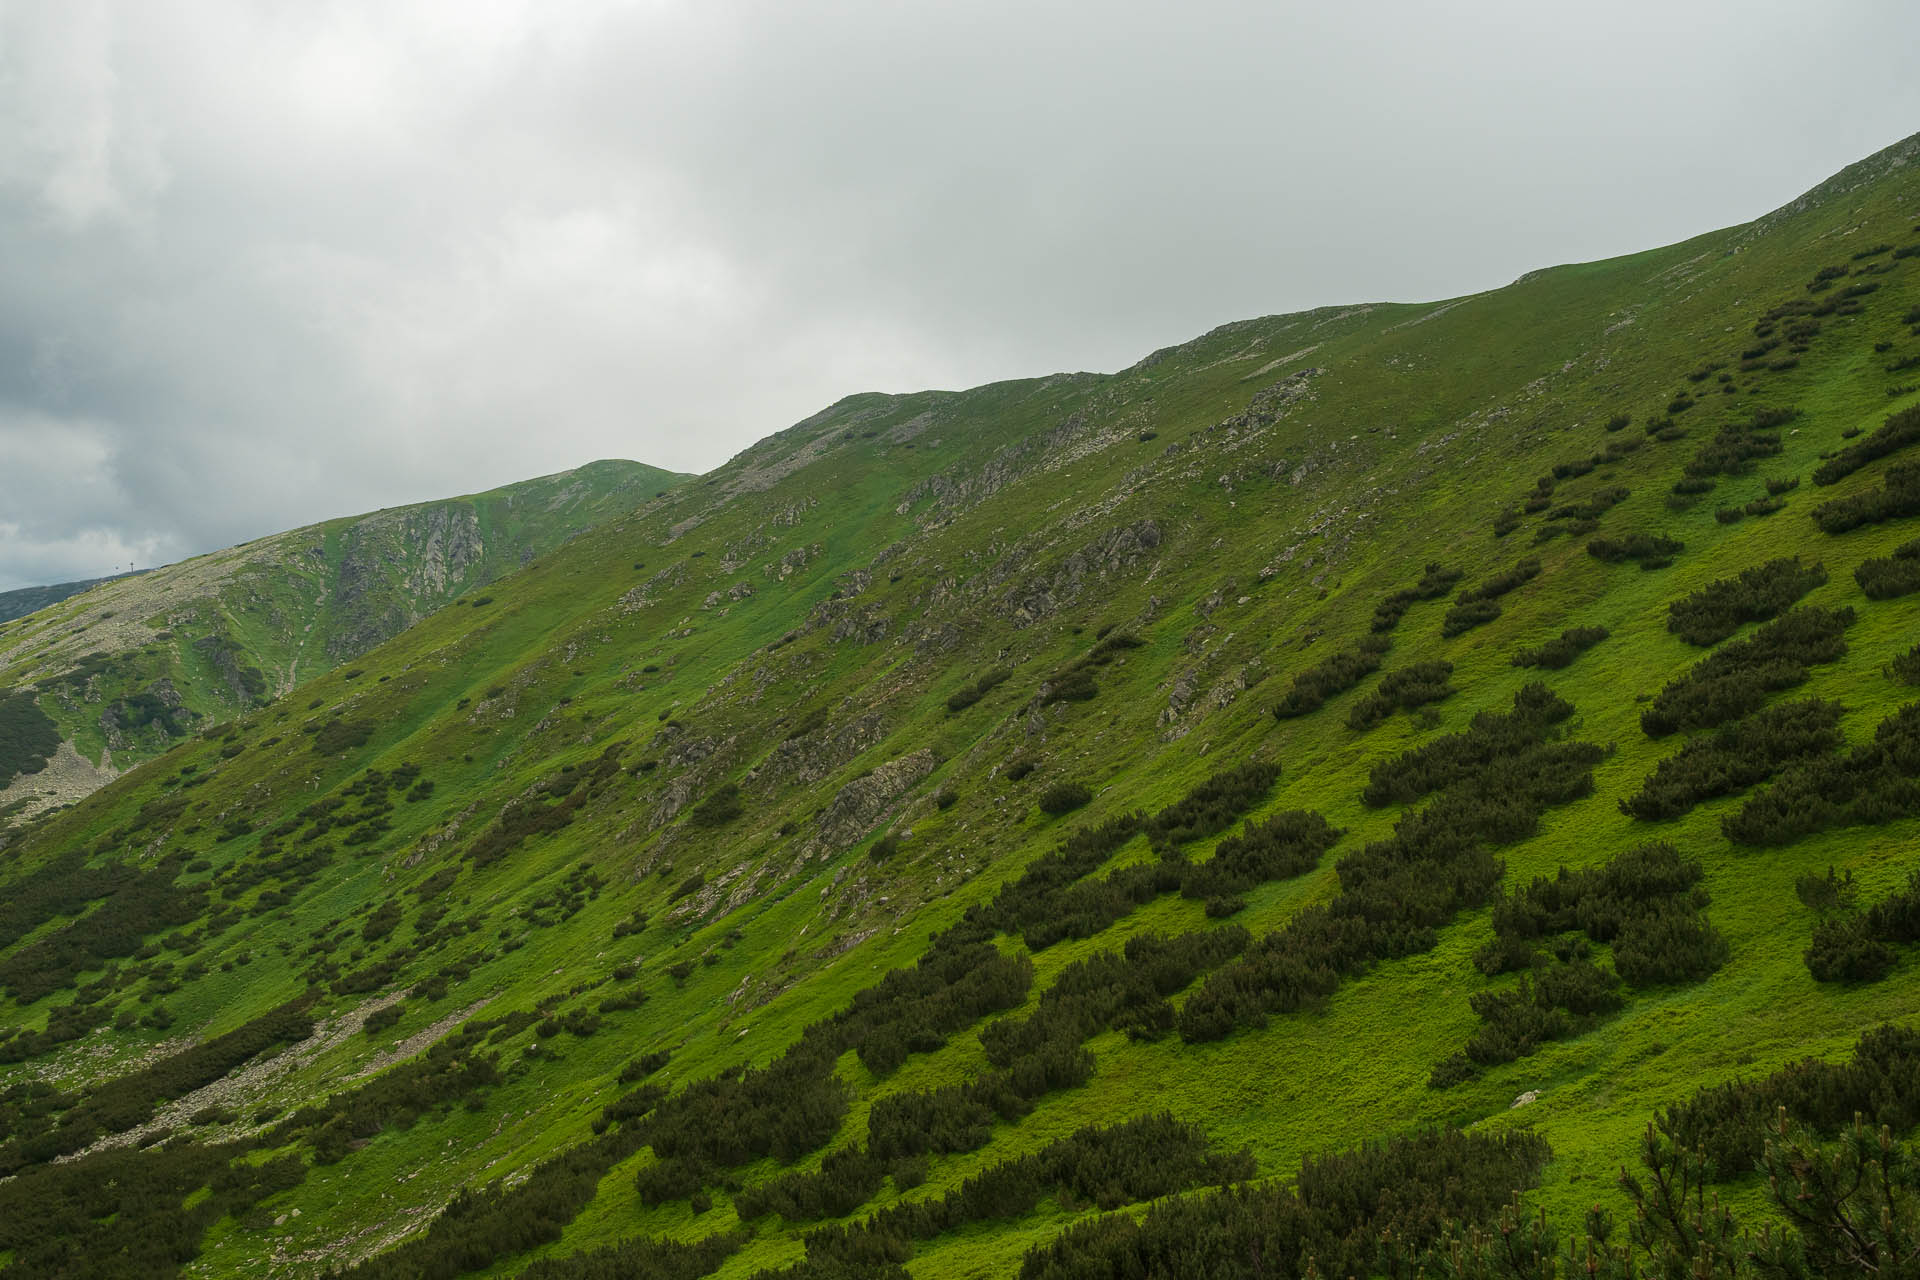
pixel 264 264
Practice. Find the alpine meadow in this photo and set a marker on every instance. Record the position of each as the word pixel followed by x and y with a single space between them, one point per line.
pixel 1389 790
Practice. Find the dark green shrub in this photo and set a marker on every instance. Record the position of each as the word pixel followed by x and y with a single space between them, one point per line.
pixel 551 807
pixel 1476 606
pixel 979 689
pixel 1467 615
pixel 1730 1122
pixel 337 736
pixel 1560 652
pixel 1211 806
pixel 1906 667
pixel 1898 496
pixel 846 1179
pixel 1109 1167
pixel 1435 582
pixel 380 1019
pixel 1717 610
pixel 1736 446
pixel 1885 578
pixel 1826 893
pixel 1738 677
pixel 1458 757
pixel 1736 757
pixel 119 1104
pixel 1493 782
pixel 133 903
pixel 622 1001
pixel 809 724
pixel 962 699
pixel 719 808
pixel 1284 846
pixel 1312 687
pixel 1064 797
pixel 1646 903
pixel 480 1227
pixel 1335 1215
pixel 1650 550
pixel 1592 508
pixel 1405 689
pixel 1111 644
pixel 1874 783
pixel 643 1066
pixel 1845 950
pixel 1898 432
pixel 1071 686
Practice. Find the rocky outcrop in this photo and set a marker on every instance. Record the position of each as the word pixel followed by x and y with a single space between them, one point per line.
pixel 951 492
pixel 648 593
pixel 1119 550
pixel 862 803
pixel 793 561
pixel 807 759
pixel 846 621
pixel 432 550
pixel 447 544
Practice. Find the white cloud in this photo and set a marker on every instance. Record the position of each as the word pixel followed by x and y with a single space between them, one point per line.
pixel 73 141
pixel 266 264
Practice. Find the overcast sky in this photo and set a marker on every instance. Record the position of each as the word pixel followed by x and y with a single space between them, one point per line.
pixel 261 264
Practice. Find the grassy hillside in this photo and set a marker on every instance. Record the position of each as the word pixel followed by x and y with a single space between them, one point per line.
pixel 967 817
pixel 121 669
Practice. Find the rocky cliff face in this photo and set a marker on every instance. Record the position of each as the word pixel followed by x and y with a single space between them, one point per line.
pixel 128 666
pixel 398 566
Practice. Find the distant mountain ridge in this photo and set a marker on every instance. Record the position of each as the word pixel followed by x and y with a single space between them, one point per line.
pixel 22 601
pixel 122 667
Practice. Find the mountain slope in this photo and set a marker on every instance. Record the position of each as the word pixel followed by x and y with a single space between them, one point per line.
pixel 953 772
pixel 124 669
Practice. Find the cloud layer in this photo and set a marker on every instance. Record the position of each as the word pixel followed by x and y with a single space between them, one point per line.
pixel 261 264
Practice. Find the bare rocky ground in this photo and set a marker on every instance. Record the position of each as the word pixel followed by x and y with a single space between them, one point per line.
pixel 68 777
